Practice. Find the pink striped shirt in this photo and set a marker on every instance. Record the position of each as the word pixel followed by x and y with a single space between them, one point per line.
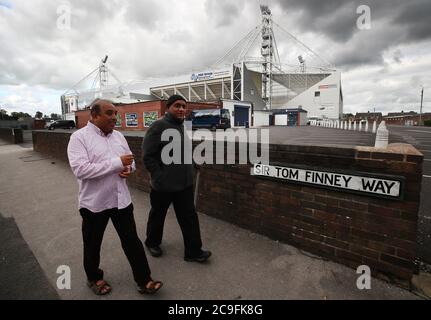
pixel 95 161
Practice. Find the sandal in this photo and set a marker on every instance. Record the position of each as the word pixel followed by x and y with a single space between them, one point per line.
pixel 99 287
pixel 151 287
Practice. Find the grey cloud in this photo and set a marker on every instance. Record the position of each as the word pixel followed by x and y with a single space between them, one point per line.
pixel 223 12
pixel 398 56
pixel 145 14
pixel 415 18
pixel 336 19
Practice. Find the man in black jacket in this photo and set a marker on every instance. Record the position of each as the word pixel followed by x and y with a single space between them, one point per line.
pixel 172 183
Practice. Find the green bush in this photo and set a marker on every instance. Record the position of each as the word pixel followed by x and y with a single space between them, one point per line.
pixel 427 123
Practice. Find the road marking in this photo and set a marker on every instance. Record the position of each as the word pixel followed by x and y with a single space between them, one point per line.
pixel 427 160
pixel 429 177
pixel 419 131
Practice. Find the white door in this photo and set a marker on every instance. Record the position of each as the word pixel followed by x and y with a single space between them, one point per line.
pixel 281 119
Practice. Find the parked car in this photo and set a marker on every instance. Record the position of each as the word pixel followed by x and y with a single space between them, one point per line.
pixel 210 119
pixel 62 124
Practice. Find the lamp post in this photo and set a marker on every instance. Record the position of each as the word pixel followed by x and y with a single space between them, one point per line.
pixel 422 101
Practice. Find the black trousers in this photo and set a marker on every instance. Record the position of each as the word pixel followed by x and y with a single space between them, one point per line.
pixel 93 228
pixel 187 217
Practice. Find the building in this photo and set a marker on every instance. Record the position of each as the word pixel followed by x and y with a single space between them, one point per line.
pixel 369 116
pixel 254 71
pixel 139 116
pixel 290 117
pixel 320 94
pixel 406 119
pixel 252 80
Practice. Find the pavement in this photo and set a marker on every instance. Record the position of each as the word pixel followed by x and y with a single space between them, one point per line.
pixel 40 195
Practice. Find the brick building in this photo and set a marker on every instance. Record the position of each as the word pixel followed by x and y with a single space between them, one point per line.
pixel 139 116
pixel 369 116
pixel 406 119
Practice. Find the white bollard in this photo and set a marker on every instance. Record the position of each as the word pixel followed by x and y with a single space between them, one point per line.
pixel 366 126
pixel 354 125
pixel 382 137
pixel 350 126
pixel 375 127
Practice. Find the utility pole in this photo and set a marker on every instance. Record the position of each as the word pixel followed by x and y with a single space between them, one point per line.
pixel 422 101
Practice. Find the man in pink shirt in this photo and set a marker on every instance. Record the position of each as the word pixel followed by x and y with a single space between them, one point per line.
pixel 101 160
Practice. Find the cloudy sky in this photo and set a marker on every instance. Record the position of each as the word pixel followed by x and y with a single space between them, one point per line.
pixel 383 66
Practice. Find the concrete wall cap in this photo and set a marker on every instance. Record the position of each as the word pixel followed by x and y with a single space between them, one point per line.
pixel 398 148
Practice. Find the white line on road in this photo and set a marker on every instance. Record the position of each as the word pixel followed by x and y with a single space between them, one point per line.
pixel 419 131
pixel 429 177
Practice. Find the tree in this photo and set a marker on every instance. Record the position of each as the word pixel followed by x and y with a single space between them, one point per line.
pixel 3 114
pixel 39 115
pixel 19 115
pixel 15 116
pixel 55 116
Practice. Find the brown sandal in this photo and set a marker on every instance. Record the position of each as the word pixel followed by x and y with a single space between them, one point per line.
pixel 151 287
pixel 99 287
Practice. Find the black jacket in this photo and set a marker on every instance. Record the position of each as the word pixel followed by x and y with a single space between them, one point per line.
pixel 165 178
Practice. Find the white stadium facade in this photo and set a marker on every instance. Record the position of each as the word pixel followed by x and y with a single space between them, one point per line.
pixel 253 71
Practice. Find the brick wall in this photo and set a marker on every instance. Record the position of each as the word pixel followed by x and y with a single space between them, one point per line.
pixel 350 229
pixel 11 135
pixel 52 143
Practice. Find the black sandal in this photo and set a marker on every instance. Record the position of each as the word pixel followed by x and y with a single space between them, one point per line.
pixel 99 287
pixel 151 287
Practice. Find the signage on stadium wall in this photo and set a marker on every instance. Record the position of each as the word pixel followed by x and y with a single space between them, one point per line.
pixel 208 75
pixel 202 76
pixel 328 86
pixel 365 184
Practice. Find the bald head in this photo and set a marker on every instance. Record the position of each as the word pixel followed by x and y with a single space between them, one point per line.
pixel 96 106
pixel 104 115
